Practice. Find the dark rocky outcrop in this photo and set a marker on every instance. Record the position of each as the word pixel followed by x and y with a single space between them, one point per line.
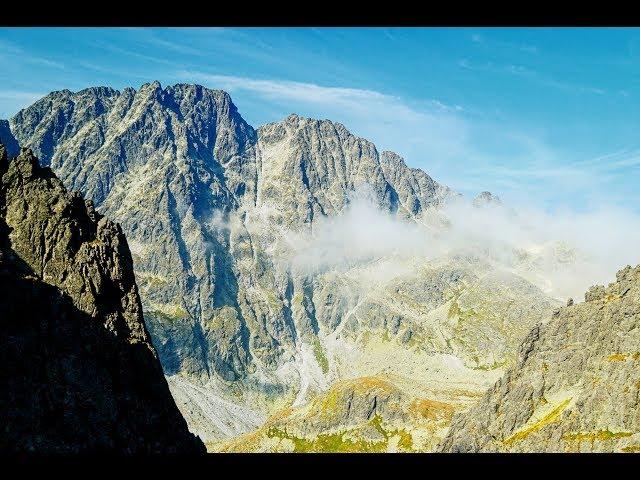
pixel 79 373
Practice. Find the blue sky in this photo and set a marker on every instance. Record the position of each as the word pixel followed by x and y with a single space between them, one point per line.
pixel 541 115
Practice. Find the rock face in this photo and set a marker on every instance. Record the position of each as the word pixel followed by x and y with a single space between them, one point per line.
pixel 352 416
pixel 79 371
pixel 407 355
pixel 366 414
pixel 155 160
pixel 323 162
pixel 576 386
pixel 180 170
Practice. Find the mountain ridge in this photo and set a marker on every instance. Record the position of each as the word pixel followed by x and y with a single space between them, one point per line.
pixel 575 387
pixel 79 371
pixel 57 118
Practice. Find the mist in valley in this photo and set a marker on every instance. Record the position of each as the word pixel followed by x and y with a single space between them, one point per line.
pixel 561 252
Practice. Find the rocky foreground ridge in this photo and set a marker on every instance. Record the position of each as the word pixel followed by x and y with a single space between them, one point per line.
pixel 576 386
pixel 79 372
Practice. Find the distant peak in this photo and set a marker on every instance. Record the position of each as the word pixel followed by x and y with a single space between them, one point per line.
pixel 486 198
pixel 100 90
pixel 155 85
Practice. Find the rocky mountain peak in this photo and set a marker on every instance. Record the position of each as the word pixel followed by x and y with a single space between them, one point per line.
pixel 80 373
pixel 203 198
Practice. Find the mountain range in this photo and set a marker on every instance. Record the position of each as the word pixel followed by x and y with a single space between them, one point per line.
pixel 300 287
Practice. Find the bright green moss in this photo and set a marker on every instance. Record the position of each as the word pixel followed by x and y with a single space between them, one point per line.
pixel 169 313
pixel 334 442
pixel 631 449
pixel 617 357
pixel 493 366
pixel 550 417
pixel 406 441
pixel 337 443
pixel 597 435
pixel 321 358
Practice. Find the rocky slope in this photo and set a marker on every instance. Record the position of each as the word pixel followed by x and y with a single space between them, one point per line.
pixel 409 354
pixel 251 300
pixel 576 387
pixel 79 371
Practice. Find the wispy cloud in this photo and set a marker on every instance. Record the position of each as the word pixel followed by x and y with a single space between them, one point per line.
pixel 114 71
pixel 612 162
pixel 288 90
pixel 20 95
pixel 17 54
pixel 152 38
pixel 13 100
pixel 519 70
pixel 500 44
pixel 432 135
pixel 132 53
pixel 436 131
pixel 388 34
pixel 308 92
pixel 548 176
pixel 531 75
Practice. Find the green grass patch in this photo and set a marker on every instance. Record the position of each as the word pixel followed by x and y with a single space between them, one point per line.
pixel 321 358
pixel 601 435
pixel 337 443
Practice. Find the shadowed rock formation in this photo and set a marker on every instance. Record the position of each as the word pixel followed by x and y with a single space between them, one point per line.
pixel 79 373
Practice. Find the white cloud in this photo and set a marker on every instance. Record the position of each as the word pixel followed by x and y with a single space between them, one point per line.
pixel 360 233
pixel 563 253
pixel 288 90
pixel 531 75
pixel 18 55
pixel 502 45
pixel 19 95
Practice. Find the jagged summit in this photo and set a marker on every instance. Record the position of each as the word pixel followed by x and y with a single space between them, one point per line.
pixel 294 118
pixel 79 371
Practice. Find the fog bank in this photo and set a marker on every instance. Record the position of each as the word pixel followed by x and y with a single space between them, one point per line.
pixel 563 253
